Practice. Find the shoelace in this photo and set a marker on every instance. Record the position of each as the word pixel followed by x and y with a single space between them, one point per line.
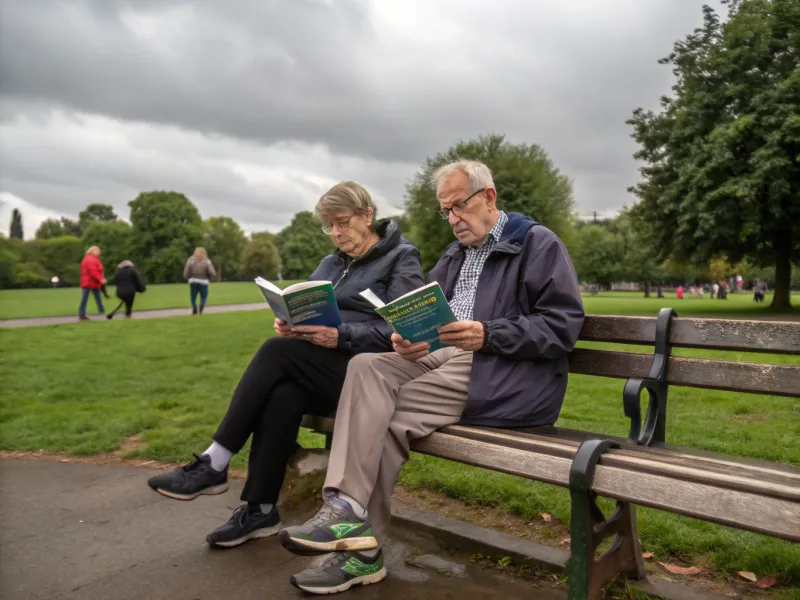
pixel 194 464
pixel 334 560
pixel 240 514
pixel 327 513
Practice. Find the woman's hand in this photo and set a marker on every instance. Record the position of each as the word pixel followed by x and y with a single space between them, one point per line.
pixel 283 329
pixel 326 337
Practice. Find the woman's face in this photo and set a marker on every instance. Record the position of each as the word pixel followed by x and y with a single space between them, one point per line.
pixel 351 232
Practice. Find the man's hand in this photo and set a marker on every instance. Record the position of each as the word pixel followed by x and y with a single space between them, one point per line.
pixel 283 329
pixel 407 350
pixel 319 335
pixel 103 281
pixel 467 335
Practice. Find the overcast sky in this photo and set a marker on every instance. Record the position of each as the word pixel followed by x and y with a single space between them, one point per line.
pixel 252 108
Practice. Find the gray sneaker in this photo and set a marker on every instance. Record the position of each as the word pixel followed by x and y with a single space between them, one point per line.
pixel 341 571
pixel 335 528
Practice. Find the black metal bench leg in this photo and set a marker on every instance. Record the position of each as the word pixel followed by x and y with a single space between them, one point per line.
pixel 586 572
pixel 328 441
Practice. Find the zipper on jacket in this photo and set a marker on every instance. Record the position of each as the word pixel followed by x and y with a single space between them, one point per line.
pixel 346 269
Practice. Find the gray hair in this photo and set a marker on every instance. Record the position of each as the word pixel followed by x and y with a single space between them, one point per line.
pixel 345 196
pixel 480 176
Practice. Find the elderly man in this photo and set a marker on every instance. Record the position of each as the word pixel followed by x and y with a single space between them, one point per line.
pixel 512 287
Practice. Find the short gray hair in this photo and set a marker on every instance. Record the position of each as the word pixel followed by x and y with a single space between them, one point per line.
pixel 347 195
pixel 480 176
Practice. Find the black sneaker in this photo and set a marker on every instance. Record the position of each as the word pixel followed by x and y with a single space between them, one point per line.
pixel 190 481
pixel 245 524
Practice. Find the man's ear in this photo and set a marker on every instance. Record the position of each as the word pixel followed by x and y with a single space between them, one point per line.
pixel 491 197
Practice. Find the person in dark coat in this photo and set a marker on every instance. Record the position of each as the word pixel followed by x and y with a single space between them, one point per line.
pixel 511 285
pixel 302 370
pixel 129 282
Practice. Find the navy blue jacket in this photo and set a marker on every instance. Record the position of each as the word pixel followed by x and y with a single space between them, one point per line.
pixel 529 302
pixel 390 268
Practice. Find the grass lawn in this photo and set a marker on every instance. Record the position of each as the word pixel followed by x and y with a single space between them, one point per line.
pixel 51 302
pixel 18 304
pixel 85 388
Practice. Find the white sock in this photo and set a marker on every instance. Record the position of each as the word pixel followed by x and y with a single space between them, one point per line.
pixel 360 511
pixel 220 456
pixel 266 508
pixel 371 553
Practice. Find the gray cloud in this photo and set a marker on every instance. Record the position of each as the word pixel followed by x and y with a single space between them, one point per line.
pixel 312 91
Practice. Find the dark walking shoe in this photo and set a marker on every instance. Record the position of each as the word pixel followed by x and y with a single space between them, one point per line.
pixel 339 572
pixel 194 311
pixel 245 524
pixel 334 528
pixel 110 316
pixel 191 480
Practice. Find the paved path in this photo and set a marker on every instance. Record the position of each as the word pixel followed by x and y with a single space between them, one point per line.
pixel 142 314
pixel 92 532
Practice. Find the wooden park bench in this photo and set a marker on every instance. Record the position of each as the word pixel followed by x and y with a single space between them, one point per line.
pixel 643 470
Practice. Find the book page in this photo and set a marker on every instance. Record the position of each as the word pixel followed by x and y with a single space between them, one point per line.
pixel 260 281
pixel 372 297
pixel 304 285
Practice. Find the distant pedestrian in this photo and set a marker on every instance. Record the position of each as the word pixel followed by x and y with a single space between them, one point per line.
pixel 91 281
pixel 759 291
pixel 714 290
pixel 198 272
pixel 129 282
pixel 679 292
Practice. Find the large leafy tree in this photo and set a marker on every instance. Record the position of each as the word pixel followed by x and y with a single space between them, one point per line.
pixel 301 245
pixel 260 256
pixel 49 228
pixel 71 227
pixel 15 230
pixel 598 255
pixel 722 157
pixel 526 182
pixel 96 212
pixel 115 239
pixel 225 244
pixel 166 229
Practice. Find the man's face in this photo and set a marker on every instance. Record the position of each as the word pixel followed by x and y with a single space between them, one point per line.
pixel 473 220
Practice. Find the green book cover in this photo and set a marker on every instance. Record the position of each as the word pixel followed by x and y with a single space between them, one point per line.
pixel 417 315
pixel 306 303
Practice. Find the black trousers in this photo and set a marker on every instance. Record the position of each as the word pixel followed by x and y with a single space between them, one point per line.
pixel 128 302
pixel 286 379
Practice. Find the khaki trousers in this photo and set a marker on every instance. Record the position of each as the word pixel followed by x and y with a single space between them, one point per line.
pixel 386 402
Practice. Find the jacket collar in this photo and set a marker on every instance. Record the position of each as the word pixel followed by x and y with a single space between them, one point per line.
pixel 511 238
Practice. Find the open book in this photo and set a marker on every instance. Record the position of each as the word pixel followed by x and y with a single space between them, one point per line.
pixel 417 315
pixel 306 303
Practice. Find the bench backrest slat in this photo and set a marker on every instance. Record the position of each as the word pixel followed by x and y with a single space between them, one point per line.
pixel 778 380
pixel 772 337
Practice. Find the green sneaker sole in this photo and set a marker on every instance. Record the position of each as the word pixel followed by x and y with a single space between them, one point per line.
pixel 304 547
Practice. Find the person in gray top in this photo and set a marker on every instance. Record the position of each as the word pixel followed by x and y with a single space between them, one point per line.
pixel 511 285
pixel 198 271
pixel 302 370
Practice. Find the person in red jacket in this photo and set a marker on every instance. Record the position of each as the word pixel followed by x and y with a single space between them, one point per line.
pixel 91 281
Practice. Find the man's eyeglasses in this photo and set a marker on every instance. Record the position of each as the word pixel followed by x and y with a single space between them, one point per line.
pixel 343 225
pixel 458 207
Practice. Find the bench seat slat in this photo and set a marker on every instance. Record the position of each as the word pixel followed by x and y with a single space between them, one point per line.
pixel 778 380
pixel 717 334
pixel 777 484
pixel 754 512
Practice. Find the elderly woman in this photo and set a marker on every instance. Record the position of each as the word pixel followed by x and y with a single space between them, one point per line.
pixel 302 369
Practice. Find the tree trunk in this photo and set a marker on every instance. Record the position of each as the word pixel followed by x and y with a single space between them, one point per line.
pixel 646 289
pixel 781 300
pixel 659 294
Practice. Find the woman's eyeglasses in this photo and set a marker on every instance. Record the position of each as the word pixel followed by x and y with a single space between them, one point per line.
pixel 458 207
pixel 343 225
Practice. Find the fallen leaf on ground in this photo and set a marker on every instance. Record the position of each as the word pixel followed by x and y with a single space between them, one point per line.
pixel 747 575
pixel 547 517
pixel 565 541
pixel 766 582
pixel 679 570
pixel 647 555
